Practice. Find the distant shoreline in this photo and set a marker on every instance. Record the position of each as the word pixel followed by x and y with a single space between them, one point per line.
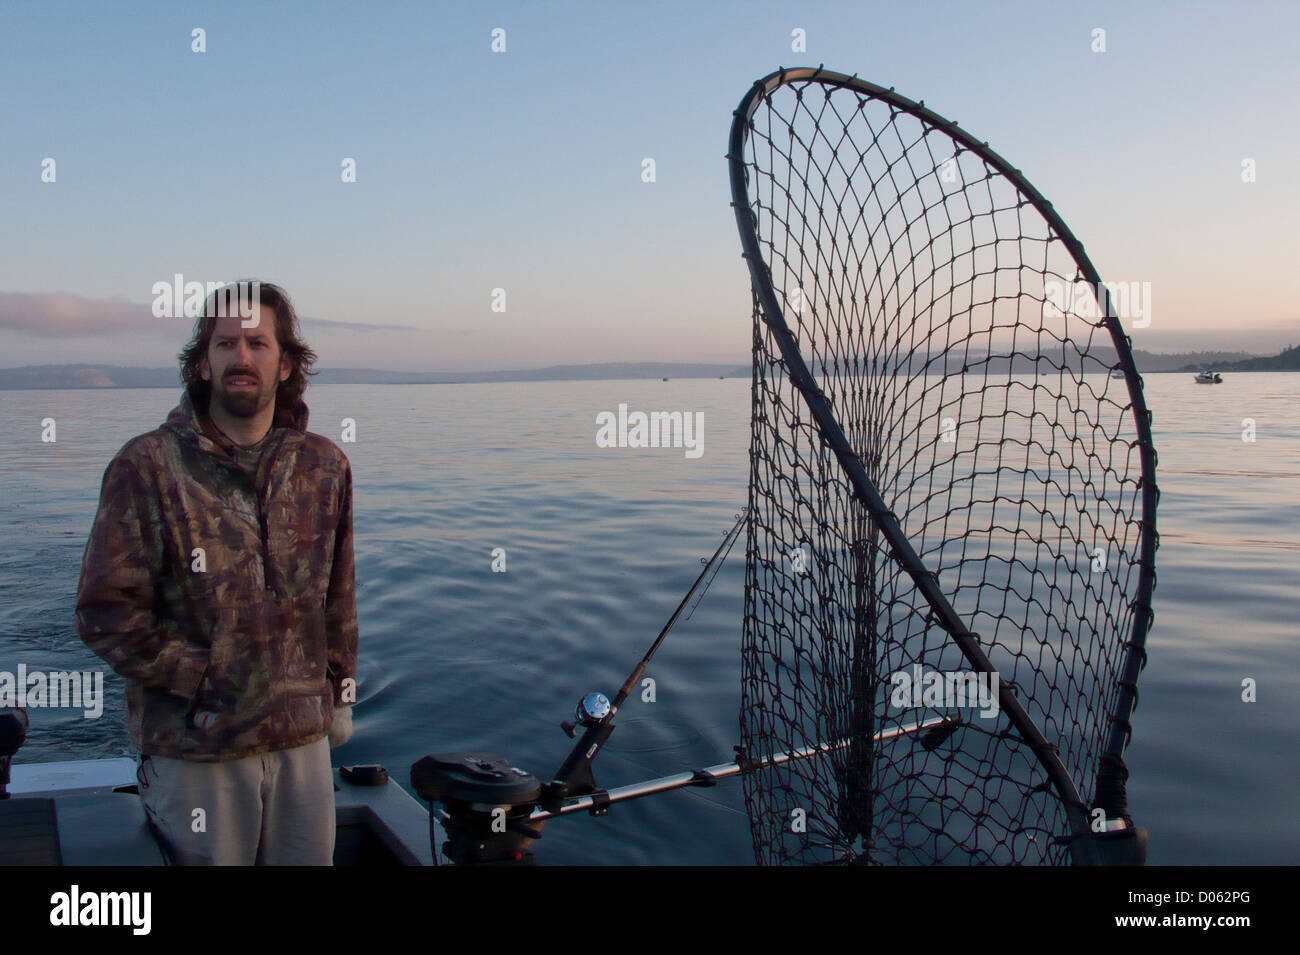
pixel 112 377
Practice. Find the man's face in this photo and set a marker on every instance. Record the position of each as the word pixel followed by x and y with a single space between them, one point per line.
pixel 244 364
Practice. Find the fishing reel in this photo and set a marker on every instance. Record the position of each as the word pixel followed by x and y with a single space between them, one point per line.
pixel 592 709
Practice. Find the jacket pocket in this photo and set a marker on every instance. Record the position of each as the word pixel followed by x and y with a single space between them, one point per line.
pixel 235 682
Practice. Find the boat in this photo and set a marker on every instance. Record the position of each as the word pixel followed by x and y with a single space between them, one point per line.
pixel 1117 373
pixel 1209 378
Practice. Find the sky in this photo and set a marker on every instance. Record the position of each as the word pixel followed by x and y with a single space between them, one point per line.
pixel 521 170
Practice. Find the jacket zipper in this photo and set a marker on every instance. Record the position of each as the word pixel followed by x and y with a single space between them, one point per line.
pixel 266 549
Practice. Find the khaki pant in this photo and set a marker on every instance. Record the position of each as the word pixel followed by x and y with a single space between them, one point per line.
pixel 271 809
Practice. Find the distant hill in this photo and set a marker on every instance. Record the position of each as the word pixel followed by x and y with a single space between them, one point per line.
pixel 87 376
pixel 113 376
pixel 1287 360
pixel 1151 361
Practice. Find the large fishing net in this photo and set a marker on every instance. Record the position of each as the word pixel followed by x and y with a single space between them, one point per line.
pixel 944 319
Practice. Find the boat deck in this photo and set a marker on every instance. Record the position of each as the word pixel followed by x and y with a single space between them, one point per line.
pixel 87 813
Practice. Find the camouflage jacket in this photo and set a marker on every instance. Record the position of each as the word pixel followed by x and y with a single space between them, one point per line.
pixel 225 598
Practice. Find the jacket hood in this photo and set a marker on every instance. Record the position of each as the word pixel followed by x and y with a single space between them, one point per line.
pixel 189 424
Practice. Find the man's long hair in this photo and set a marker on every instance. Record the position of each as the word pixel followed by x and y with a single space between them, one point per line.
pixel 227 300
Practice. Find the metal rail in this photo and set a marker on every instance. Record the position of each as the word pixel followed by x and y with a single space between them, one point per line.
pixel 600 799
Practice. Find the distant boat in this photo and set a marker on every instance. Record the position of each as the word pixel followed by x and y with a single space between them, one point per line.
pixel 665 379
pixel 1117 374
pixel 1209 378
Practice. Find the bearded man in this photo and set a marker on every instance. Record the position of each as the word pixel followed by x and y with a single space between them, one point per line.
pixel 219 581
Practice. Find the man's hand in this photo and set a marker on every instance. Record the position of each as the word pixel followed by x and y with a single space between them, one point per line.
pixel 341 728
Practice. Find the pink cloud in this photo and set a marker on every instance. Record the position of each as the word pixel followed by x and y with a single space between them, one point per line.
pixel 63 315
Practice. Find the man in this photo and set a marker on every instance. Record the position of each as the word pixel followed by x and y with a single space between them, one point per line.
pixel 218 580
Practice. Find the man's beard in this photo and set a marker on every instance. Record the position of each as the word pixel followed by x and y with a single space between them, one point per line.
pixel 245 404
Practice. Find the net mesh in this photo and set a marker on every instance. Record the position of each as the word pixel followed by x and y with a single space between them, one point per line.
pixel 946 324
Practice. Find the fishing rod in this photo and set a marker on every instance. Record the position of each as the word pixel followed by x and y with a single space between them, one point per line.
pixel 596 713
pixel 465 783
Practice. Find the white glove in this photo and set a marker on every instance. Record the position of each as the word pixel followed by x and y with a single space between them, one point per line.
pixel 341 727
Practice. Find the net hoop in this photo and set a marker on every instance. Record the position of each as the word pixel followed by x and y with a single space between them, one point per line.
pixel 802 377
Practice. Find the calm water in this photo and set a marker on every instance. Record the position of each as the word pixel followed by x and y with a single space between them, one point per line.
pixel 601 544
